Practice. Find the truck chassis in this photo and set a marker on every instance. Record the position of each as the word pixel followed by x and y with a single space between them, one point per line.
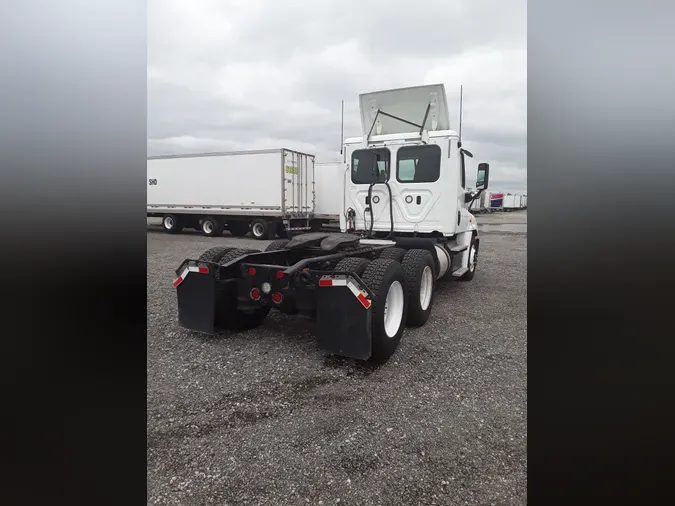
pixel 362 294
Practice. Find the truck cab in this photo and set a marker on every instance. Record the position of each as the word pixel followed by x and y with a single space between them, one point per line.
pixel 407 173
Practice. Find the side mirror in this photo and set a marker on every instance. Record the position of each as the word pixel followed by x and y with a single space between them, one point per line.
pixel 483 176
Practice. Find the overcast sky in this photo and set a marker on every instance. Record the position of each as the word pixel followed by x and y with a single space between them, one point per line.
pixel 253 74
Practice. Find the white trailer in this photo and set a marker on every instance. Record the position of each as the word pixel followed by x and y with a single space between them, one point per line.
pixel 329 180
pixel 404 225
pixel 267 192
pixel 509 202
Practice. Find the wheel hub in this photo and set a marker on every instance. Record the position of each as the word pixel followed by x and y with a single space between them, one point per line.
pixel 393 309
pixel 426 287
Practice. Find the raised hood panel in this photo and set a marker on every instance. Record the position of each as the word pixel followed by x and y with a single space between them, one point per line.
pixel 406 103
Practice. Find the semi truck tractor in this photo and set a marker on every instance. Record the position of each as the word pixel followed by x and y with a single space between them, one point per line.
pixel 404 227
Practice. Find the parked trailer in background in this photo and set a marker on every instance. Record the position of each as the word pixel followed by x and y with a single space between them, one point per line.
pixel 267 192
pixel 524 201
pixel 497 201
pixel 329 180
pixel 509 202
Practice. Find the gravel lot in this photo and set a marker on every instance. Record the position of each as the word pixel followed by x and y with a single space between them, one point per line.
pixel 263 417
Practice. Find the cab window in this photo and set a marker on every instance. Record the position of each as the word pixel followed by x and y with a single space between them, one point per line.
pixel 370 165
pixel 418 164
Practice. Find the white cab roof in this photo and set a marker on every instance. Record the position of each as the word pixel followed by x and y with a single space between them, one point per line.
pixel 406 103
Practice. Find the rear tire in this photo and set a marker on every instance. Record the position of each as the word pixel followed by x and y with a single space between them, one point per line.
pixel 260 229
pixel 234 253
pixel 172 224
pixel 386 279
pixel 395 254
pixel 211 227
pixel 418 266
pixel 214 254
pixel 473 261
pixel 277 245
pixel 356 265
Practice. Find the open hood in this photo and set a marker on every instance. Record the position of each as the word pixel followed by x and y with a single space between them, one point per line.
pixel 409 104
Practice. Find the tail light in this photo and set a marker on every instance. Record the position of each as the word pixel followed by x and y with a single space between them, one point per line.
pixel 251 271
pixel 277 297
pixel 280 274
pixel 255 294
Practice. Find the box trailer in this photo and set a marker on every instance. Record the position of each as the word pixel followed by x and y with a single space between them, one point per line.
pixel 328 186
pixel 509 202
pixel 404 226
pixel 496 201
pixel 268 192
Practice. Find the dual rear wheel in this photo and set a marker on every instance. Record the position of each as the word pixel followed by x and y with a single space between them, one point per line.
pixel 403 293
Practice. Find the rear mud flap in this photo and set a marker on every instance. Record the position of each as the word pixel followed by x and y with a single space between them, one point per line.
pixel 343 320
pixel 197 302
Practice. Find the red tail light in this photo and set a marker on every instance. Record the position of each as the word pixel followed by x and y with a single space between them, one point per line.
pixel 255 294
pixel 251 271
pixel 280 274
pixel 277 297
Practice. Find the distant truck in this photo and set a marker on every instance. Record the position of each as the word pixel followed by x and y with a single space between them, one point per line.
pixel 267 192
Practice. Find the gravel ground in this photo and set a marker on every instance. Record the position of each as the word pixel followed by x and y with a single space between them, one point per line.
pixel 264 418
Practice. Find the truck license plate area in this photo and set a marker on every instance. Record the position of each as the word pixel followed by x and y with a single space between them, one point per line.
pixel 343 318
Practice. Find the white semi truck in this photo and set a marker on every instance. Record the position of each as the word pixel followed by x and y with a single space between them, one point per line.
pixel 267 192
pixel 404 223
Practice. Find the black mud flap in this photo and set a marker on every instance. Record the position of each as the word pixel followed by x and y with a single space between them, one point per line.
pixel 197 302
pixel 343 318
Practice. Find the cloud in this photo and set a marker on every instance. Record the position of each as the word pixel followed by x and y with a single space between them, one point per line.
pixel 235 74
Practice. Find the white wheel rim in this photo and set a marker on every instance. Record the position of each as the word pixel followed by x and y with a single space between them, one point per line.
pixel 472 259
pixel 207 226
pixel 168 222
pixel 257 230
pixel 426 287
pixel 393 309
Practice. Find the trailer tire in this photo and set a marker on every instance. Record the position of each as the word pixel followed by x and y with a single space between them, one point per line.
pixel 386 279
pixel 418 266
pixel 281 231
pixel 357 265
pixel 260 229
pixel 473 261
pixel 214 254
pixel 396 254
pixel 237 228
pixel 172 224
pixel 211 227
pixel 277 245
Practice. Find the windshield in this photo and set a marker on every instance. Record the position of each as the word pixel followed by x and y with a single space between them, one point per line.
pixel 370 165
